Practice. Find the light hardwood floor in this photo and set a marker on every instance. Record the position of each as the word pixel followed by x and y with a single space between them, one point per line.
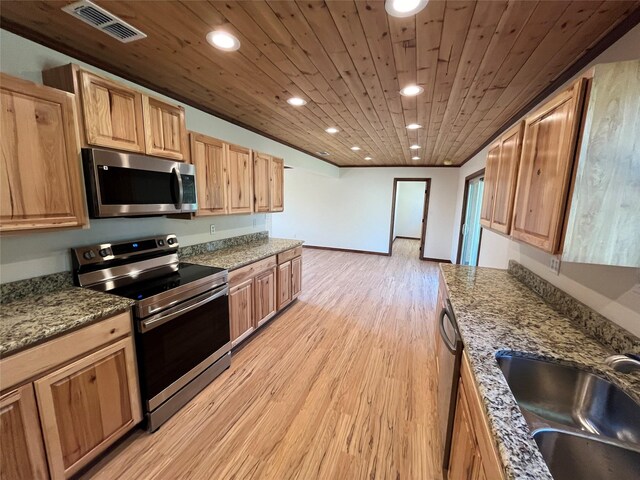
pixel 339 386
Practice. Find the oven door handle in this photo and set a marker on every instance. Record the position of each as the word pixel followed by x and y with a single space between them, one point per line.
pixel 162 318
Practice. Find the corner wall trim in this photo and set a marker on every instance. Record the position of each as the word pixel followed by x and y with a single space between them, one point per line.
pixel 348 250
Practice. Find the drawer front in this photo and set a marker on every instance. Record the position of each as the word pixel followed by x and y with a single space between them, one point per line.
pixel 22 366
pixel 251 270
pixel 289 254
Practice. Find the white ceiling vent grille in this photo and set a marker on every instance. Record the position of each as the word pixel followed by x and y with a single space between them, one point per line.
pixel 101 19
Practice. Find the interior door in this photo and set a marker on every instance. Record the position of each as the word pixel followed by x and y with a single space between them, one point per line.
pixel 471 227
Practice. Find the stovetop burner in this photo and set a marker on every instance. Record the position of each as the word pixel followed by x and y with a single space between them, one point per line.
pixel 186 273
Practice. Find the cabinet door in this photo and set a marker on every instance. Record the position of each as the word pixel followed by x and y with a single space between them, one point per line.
pixel 262 182
pixel 505 181
pixel 208 156
pixel 490 178
pixel 463 443
pixel 22 453
pixel 86 406
pixel 277 185
pixel 240 180
pixel 284 284
pixel 296 277
pixel 265 296
pixel 164 128
pixel 40 180
pixel 544 176
pixel 241 316
pixel 112 114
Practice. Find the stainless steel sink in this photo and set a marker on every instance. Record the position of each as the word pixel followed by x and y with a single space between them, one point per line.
pixel 585 427
pixel 572 397
pixel 573 456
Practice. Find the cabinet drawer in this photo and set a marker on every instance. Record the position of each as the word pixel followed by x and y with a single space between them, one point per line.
pixel 289 254
pixel 251 270
pixel 27 364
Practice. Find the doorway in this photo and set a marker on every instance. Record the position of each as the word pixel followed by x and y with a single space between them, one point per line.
pixel 470 231
pixel 409 209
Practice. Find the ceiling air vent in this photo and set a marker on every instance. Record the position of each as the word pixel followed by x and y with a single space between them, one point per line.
pixel 101 19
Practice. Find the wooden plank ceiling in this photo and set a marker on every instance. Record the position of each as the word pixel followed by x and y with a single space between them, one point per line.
pixel 479 64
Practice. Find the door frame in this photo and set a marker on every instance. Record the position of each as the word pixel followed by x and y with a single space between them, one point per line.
pixel 467 180
pixel 425 211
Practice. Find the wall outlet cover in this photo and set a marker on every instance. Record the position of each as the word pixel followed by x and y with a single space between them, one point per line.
pixel 212 229
pixel 554 265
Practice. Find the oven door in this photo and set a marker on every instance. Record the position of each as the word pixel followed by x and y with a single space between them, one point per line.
pixel 176 345
pixel 123 184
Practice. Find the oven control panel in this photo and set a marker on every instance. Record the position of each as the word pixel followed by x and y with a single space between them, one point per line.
pixel 106 252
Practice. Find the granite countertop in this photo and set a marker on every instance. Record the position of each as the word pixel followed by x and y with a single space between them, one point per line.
pixel 42 316
pixel 497 313
pixel 238 256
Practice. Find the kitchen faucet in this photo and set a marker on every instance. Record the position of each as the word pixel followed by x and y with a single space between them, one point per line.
pixel 624 363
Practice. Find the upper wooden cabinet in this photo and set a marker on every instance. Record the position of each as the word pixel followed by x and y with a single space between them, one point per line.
pixel 500 180
pixel 112 114
pixel 22 453
pixel 40 179
pixel 119 117
pixel 268 183
pixel 604 219
pixel 239 179
pixel 544 176
pixel 208 155
pixel 164 126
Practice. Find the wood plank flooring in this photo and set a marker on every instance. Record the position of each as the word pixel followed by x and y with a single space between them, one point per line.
pixel 339 386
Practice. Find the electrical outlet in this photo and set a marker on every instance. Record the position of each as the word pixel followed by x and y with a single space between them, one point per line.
pixel 212 229
pixel 554 265
pixel 255 221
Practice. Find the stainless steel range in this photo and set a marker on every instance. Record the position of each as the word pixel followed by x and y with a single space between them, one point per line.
pixel 181 316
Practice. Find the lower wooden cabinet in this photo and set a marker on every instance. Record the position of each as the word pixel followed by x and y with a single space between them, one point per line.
pixel 241 315
pixel 284 285
pixel 265 296
pixel 85 406
pixel 474 455
pixel 289 276
pixel 73 411
pixel 258 291
pixel 22 452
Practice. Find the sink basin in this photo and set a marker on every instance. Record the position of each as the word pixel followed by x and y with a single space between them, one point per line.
pixel 573 456
pixel 572 397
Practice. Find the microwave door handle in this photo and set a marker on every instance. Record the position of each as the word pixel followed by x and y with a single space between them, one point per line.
pixel 178 203
pixel 163 318
pixel 445 339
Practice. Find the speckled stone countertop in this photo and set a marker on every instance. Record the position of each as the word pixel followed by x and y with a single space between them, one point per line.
pixel 497 313
pixel 42 316
pixel 238 256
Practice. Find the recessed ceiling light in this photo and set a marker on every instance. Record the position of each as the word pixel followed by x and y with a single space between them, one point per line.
pixel 332 130
pixel 296 101
pixel 415 158
pixel 404 8
pixel 355 149
pixel 413 126
pixel 447 162
pixel 411 90
pixel 223 40
pixel 415 147
pixel 368 158
pixel 323 154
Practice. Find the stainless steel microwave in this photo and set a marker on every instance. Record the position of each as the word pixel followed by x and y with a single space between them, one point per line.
pixel 129 185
